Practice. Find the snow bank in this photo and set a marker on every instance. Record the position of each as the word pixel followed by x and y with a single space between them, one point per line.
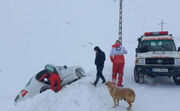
pixel 156 94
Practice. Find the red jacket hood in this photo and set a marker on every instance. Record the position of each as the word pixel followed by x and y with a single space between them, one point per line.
pixel 116 45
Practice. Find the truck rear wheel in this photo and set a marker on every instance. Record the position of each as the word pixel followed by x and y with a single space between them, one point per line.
pixel 138 77
pixel 176 79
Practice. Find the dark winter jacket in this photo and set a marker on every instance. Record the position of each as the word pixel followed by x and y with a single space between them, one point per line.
pixel 100 57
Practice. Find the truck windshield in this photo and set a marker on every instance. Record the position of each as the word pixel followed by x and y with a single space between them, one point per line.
pixel 157 45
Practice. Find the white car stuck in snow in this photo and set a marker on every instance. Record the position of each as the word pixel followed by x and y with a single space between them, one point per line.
pixel 34 87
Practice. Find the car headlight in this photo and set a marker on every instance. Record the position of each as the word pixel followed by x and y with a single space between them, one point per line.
pixel 177 61
pixel 140 61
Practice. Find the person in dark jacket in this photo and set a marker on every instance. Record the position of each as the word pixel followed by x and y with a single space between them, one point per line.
pixel 99 62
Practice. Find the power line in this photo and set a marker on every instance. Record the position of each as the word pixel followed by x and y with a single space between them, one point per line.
pixel 162 24
pixel 149 14
pixel 144 12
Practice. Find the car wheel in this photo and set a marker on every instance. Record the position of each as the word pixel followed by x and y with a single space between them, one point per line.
pixel 80 73
pixel 176 80
pixel 138 77
pixel 44 88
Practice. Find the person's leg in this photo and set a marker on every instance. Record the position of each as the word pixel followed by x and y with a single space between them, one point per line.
pixel 52 84
pixel 114 74
pixel 58 87
pixel 120 77
pixel 100 73
pixel 97 76
pixel 121 68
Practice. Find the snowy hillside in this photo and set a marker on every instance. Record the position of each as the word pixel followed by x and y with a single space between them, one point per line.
pixel 64 32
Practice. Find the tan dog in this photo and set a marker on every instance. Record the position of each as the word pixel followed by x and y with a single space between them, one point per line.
pixel 119 93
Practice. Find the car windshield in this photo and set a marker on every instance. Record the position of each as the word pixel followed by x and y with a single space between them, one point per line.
pixel 29 82
pixel 49 68
pixel 157 45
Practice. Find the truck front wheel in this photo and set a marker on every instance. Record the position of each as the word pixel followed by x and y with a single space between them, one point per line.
pixel 176 79
pixel 138 77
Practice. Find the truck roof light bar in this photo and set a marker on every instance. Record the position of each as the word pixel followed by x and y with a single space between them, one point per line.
pixel 155 33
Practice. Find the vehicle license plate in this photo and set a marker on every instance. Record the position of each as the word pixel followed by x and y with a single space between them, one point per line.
pixel 159 70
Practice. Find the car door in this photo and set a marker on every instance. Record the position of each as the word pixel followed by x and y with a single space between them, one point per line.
pixel 67 75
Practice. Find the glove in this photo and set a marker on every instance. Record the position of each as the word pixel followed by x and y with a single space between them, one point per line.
pixel 46 81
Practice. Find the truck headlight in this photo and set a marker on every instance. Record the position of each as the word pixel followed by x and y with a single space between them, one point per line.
pixel 140 61
pixel 177 61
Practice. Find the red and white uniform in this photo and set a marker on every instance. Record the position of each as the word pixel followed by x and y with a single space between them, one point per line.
pixel 118 60
pixel 54 80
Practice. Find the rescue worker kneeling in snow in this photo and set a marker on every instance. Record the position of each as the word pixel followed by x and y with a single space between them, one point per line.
pixel 52 78
pixel 117 58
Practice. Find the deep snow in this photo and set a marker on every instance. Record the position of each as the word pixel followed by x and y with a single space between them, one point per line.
pixel 159 94
pixel 37 32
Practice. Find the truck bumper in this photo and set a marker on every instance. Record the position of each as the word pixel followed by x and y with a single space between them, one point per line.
pixel 153 70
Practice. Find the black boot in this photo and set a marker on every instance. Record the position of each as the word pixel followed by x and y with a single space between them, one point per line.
pixel 93 84
pixel 103 82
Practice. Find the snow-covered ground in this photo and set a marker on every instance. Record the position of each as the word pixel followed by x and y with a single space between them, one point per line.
pixel 159 94
pixel 37 32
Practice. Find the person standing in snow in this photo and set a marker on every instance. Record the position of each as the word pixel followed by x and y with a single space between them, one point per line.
pixel 52 78
pixel 118 60
pixel 99 62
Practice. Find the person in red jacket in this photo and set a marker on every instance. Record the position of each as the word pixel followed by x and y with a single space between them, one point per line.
pixel 55 82
pixel 117 58
pixel 52 77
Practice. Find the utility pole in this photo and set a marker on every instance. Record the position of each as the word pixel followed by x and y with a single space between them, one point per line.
pixel 120 21
pixel 162 24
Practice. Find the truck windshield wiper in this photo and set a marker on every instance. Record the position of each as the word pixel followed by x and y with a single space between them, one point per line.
pixel 163 47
